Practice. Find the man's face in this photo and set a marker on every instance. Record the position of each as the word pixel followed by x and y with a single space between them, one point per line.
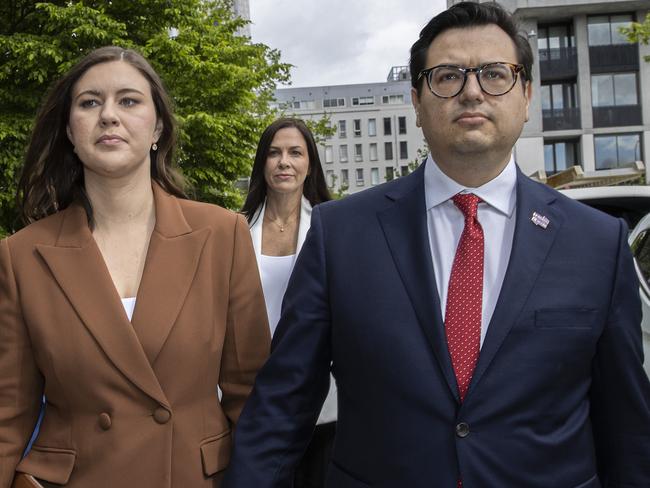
pixel 472 126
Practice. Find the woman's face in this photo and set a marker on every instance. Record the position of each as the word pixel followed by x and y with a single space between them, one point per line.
pixel 287 162
pixel 112 122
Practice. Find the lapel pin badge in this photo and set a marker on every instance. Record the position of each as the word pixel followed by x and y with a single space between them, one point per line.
pixel 540 220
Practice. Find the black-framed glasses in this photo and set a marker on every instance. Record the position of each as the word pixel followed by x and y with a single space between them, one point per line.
pixel 448 80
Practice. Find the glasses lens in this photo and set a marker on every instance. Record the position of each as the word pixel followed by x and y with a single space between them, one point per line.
pixel 446 81
pixel 497 78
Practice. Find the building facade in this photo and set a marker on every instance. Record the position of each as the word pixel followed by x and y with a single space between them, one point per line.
pixel 375 137
pixel 241 8
pixel 591 89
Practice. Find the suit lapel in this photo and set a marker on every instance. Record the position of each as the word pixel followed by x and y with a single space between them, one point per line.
pixel 405 227
pixel 172 260
pixel 530 246
pixel 78 267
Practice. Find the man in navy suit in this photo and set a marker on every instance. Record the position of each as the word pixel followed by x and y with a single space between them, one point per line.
pixel 483 330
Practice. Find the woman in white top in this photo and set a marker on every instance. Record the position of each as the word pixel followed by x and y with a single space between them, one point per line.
pixel 286 181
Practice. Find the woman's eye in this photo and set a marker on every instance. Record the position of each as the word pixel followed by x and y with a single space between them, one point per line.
pixel 128 102
pixel 89 103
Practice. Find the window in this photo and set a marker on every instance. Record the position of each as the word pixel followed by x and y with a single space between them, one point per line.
pixel 363 100
pixel 404 170
pixel 359 176
pixel 334 102
pixel 617 150
pixel 374 176
pixel 373 152
pixel 392 99
pixel 345 180
pixel 329 178
pixel 328 154
pixel 342 129
pixel 401 125
pixel 390 173
pixel 358 152
pixel 559 155
pixel 387 127
pixel 343 153
pixel 357 127
pixel 559 96
pixel 372 127
pixel 552 40
pixel 611 90
pixel 603 30
pixel 388 151
pixel 302 104
pixel 403 150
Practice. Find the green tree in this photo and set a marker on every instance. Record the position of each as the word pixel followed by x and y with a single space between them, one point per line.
pixel 221 82
pixel 638 32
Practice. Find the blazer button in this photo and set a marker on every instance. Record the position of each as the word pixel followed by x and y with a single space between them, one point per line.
pixel 462 429
pixel 105 421
pixel 161 415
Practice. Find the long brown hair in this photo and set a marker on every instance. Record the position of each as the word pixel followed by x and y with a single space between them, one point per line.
pixel 52 176
pixel 314 189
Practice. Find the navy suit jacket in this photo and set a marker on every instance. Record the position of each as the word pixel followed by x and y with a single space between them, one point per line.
pixel 559 397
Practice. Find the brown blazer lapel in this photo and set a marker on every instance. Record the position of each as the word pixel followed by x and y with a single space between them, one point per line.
pixel 172 260
pixel 78 267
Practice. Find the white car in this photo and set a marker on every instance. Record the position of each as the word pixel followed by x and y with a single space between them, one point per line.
pixel 632 203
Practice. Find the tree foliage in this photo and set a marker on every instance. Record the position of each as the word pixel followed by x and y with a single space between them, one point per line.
pixel 638 32
pixel 221 82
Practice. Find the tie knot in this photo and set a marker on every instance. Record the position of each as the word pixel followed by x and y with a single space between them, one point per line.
pixel 466 203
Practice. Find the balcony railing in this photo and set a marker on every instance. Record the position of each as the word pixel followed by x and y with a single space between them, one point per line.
pixel 615 57
pixel 617 116
pixel 561 118
pixel 558 63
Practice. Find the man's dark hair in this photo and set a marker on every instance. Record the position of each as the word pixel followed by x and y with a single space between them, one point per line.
pixel 469 14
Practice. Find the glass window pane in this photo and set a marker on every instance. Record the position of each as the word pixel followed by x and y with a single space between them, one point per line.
pixel 628 149
pixel 558 97
pixel 549 163
pixel 560 156
pixel 598 29
pixel 542 38
pixel 625 89
pixel 546 97
pixel 570 154
pixel 605 148
pixel 618 21
pixel 557 36
pixel 602 91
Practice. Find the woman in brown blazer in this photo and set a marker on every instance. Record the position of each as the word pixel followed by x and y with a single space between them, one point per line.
pixel 130 401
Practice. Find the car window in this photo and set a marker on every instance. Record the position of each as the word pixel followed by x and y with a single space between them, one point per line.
pixel 641 250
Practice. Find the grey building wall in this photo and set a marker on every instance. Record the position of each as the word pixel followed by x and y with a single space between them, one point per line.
pixel 242 9
pixel 369 160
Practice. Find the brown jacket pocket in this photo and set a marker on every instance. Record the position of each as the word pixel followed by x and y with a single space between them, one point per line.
pixel 48 463
pixel 215 453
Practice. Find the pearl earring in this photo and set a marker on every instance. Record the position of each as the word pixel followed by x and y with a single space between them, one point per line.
pixel 154 147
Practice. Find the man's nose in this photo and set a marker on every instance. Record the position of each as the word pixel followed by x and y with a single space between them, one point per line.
pixel 472 89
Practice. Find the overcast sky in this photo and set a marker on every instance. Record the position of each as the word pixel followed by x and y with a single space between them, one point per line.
pixel 340 42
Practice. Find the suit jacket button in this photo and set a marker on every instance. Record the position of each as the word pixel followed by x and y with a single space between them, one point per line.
pixel 462 430
pixel 105 421
pixel 161 415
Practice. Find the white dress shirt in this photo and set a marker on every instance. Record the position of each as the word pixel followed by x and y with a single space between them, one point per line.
pixel 445 222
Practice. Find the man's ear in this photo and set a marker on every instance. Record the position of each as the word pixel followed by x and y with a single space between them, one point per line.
pixel 528 93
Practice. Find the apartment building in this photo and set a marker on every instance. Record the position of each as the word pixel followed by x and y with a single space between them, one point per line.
pixel 375 137
pixel 591 104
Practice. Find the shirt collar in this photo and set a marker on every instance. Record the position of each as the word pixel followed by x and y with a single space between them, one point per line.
pixel 499 192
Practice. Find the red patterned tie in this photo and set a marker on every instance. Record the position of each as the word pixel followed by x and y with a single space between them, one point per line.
pixel 465 295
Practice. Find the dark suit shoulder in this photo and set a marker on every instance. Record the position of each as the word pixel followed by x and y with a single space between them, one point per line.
pixel 376 198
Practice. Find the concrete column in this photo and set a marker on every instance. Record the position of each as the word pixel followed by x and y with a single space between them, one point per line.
pixel 584 71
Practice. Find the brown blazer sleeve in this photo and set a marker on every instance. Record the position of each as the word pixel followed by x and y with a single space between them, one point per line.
pixel 20 381
pixel 247 341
